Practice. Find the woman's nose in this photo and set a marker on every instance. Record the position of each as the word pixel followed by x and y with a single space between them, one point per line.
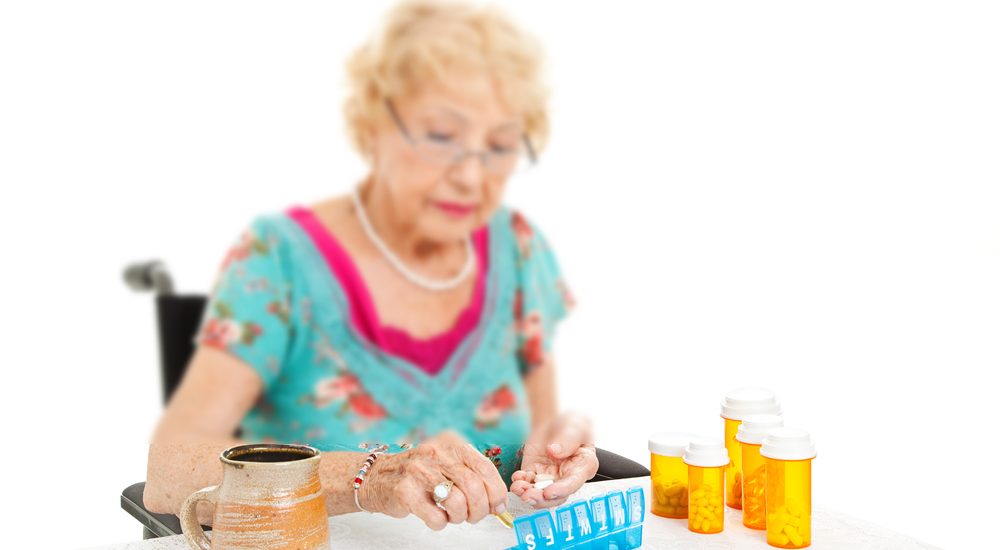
pixel 470 169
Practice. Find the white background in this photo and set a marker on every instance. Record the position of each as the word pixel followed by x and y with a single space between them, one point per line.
pixel 791 194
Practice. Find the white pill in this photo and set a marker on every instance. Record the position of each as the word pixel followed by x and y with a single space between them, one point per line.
pixel 543 480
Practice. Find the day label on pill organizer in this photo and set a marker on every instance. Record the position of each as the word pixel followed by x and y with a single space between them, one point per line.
pixel 636 505
pixel 599 509
pixel 525 534
pixel 564 524
pixel 582 511
pixel 616 501
pixel 544 531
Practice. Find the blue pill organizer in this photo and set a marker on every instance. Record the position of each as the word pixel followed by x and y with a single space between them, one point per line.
pixel 612 521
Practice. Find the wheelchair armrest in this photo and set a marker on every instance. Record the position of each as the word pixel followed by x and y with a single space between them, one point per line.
pixel 613 466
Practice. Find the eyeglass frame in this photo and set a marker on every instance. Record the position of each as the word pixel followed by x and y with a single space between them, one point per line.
pixel 529 148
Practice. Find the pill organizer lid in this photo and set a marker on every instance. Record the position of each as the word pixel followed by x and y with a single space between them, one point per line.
pixel 753 427
pixel 742 402
pixel 706 452
pixel 788 444
pixel 669 443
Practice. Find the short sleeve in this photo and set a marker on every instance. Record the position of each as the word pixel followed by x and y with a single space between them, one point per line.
pixel 542 298
pixel 248 313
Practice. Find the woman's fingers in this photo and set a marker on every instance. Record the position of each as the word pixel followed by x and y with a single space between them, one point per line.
pixel 413 498
pixel 549 503
pixel 519 487
pixel 572 432
pixel 456 506
pixel 576 471
pixel 475 491
pixel 527 492
pixel 522 475
pixel 425 509
pixel 496 489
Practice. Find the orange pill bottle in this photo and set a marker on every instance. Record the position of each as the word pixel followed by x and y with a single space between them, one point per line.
pixel 706 459
pixel 668 474
pixel 788 455
pixel 750 435
pixel 736 405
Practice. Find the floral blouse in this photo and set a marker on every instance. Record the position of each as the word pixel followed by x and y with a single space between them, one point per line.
pixel 277 306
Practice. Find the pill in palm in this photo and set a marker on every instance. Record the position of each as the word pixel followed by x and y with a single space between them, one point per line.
pixel 543 480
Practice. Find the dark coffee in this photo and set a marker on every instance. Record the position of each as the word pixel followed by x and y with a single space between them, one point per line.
pixel 266 454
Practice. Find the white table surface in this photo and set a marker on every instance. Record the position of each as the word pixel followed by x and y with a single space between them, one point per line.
pixel 831 531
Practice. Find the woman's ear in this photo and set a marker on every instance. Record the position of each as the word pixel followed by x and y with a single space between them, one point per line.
pixel 369 143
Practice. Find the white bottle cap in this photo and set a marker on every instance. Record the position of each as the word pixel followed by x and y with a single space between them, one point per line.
pixel 669 443
pixel 752 428
pixel 742 402
pixel 706 452
pixel 788 444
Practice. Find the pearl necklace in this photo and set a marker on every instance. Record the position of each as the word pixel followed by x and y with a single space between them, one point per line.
pixel 398 265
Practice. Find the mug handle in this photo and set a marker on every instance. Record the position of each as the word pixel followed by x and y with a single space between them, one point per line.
pixel 193 533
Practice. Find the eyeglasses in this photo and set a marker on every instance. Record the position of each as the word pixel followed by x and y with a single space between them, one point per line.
pixel 445 152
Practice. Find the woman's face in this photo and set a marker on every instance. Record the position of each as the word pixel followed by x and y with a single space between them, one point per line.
pixel 434 199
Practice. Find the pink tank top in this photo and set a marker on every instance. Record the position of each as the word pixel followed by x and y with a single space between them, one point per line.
pixel 430 354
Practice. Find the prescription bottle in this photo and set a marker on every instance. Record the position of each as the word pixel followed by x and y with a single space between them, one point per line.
pixel 706 459
pixel 736 405
pixel 788 454
pixel 750 434
pixel 668 474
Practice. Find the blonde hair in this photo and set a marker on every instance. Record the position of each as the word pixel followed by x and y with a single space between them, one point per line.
pixel 424 41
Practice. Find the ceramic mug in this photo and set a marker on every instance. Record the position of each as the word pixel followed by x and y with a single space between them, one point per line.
pixel 270 499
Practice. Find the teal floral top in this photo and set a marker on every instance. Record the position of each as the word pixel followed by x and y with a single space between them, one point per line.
pixel 277 306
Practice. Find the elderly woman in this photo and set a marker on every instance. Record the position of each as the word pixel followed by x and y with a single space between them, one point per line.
pixel 416 312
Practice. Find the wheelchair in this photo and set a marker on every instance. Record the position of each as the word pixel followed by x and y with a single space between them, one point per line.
pixel 177 318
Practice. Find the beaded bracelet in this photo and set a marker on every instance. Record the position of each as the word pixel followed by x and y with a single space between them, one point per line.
pixel 360 477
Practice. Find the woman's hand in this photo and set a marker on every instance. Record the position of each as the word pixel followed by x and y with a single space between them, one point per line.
pixel 565 450
pixel 403 484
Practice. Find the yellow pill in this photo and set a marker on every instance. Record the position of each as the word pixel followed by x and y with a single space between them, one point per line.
pixel 716 525
pixel 794 521
pixel 701 502
pixel 715 500
pixel 793 535
pixel 781 539
pixel 794 508
pixel 776 523
pixel 706 525
pixel 698 493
